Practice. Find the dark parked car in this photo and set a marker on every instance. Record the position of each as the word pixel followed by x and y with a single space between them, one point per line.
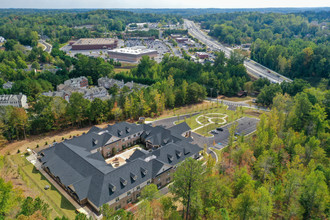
pixel 214 132
pixel 220 129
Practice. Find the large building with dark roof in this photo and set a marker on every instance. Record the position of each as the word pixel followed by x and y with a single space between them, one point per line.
pixel 94 44
pixel 88 168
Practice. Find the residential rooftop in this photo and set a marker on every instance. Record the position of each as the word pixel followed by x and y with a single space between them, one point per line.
pixel 80 166
pixel 94 41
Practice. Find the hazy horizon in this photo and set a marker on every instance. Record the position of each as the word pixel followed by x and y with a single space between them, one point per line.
pixel 161 4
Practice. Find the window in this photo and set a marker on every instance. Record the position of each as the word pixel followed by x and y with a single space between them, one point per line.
pixel 138 188
pixel 148 182
pixel 118 207
pixel 159 185
pixel 134 135
pixel 168 179
pixel 158 179
pixel 138 195
pixel 117 199
pixel 129 200
pixel 128 193
pixel 168 173
pixel 129 138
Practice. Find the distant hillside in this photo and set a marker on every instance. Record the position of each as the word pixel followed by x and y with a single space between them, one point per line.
pixel 200 11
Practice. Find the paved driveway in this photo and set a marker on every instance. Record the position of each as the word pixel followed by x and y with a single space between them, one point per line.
pixel 169 122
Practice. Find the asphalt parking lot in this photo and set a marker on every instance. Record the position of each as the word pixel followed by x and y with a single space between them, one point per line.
pixel 245 126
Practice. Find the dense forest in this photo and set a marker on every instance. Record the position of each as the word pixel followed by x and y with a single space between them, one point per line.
pixel 279 172
pixel 296 45
pixel 174 82
pixel 63 26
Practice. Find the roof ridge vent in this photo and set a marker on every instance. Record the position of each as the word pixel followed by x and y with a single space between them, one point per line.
pixel 150 158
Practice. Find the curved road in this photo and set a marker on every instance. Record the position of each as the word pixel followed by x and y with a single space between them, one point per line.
pixel 48 47
pixel 253 68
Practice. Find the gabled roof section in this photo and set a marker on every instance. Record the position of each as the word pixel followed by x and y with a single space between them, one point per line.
pixel 158 167
pixel 179 128
pixel 138 154
pixel 157 135
pixel 123 129
pixel 174 153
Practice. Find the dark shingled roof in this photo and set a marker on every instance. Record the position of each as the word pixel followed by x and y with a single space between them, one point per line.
pixel 79 165
pixel 179 128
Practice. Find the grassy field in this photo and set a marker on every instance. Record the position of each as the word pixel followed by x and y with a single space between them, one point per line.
pixel 118 70
pixel 42 46
pixel 231 116
pixel 35 180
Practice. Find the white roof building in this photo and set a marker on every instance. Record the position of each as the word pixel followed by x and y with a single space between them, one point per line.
pixel 80 82
pixel 14 100
pixel 131 54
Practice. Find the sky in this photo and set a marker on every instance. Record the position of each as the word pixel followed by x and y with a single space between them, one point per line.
pixel 162 3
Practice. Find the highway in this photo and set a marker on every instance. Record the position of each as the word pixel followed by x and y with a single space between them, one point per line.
pixel 253 68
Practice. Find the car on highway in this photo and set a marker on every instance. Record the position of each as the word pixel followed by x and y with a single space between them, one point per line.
pixel 214 132
pixel 219 129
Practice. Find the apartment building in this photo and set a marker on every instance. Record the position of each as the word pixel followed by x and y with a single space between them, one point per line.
pixel 89 170
pixel 14 100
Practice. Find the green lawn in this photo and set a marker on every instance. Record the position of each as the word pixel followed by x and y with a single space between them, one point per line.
pixel 58 203
pixel 231 116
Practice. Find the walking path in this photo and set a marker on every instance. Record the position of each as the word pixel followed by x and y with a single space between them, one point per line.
pixel 209 119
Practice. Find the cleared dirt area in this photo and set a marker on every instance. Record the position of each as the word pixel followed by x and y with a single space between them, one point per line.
pixel 184 110
pixel 236 99
pixel 44 140
pixel 41 140
pixel 253 113
pixel 9 172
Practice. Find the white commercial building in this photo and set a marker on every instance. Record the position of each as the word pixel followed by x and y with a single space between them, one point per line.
pixel 131 54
